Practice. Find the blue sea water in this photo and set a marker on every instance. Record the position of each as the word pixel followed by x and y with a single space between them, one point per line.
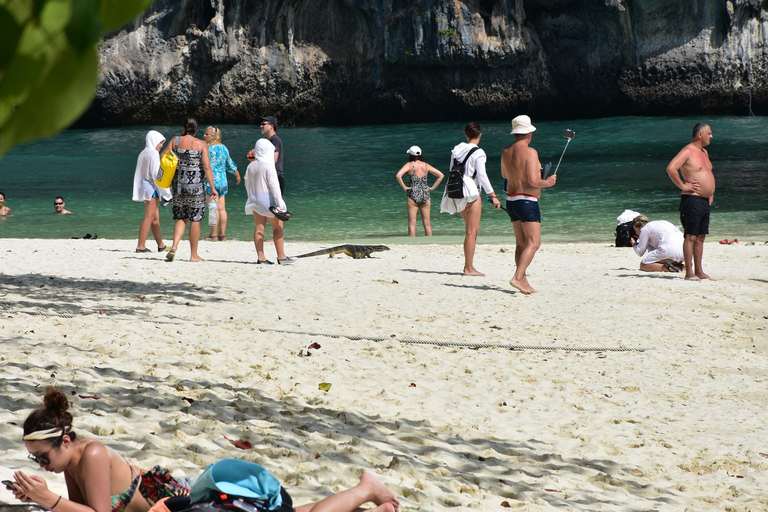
pixel 341 180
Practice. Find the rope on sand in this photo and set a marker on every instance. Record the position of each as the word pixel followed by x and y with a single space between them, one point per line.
pixel 99 315
pixel 466 344
pixel 36 313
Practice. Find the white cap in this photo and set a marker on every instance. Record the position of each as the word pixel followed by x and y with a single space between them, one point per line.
pixel 414 150
pixel 522 125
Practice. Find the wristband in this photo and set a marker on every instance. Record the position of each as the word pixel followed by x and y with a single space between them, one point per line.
pixel 57 502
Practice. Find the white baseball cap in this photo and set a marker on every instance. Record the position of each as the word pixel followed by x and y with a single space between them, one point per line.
pixel 522 125
pixel 414 150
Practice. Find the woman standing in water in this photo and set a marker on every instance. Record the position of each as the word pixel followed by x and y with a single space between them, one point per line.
pixel 193 169
pixel 418 190
pixel 221 163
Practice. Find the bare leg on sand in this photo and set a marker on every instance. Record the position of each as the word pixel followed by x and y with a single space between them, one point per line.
pixel 369 490
pixel 693 250
pixel 528 240
pixel 471 215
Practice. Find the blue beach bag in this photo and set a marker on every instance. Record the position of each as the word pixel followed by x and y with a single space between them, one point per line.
pixel 235 477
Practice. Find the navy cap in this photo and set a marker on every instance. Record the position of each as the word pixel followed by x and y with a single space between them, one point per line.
pixel 271 120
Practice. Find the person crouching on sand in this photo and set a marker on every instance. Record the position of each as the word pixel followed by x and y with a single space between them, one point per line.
pixel 662 240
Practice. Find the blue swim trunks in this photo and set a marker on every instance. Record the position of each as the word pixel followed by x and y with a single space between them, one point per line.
pixel 524 208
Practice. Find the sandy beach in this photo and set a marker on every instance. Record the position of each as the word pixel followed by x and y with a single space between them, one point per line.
pixel 610 389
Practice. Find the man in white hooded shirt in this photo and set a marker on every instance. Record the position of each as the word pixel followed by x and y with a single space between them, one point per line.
pixel 146 190
pixel 470 205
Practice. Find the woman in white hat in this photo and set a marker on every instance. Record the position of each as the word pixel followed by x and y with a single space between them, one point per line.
pixel 418 189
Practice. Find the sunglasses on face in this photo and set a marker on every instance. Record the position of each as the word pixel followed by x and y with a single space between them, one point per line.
pixel 58 204
pixel 265 124
pixel 43 460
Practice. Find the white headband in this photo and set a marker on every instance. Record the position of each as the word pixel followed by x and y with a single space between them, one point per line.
pixel 39 435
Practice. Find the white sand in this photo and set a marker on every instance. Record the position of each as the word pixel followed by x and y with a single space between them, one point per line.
pixel 679 427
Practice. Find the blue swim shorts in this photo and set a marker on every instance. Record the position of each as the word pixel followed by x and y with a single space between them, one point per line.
pixel 525 210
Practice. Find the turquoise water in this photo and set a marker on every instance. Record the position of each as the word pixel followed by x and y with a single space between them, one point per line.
pixel 341 180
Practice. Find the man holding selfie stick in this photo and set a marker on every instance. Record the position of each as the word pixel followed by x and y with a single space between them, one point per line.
pixel 520 165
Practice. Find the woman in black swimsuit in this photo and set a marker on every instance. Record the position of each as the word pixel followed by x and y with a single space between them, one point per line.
pixel 418 189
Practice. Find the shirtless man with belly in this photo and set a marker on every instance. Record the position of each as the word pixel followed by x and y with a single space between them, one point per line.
pixel 698 186
pixel 521 167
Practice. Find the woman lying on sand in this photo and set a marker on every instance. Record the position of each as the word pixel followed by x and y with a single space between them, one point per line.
pixel 101 480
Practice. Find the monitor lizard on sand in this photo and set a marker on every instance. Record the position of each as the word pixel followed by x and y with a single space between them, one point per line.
pixel 355 251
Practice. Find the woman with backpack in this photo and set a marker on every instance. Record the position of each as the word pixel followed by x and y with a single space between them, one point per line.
pixel 470 159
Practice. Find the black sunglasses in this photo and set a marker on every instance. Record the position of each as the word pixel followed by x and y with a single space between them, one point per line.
pixel 43 460
pixel 58 204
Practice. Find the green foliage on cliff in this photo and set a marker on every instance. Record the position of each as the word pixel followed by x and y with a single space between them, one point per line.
pixel 48 63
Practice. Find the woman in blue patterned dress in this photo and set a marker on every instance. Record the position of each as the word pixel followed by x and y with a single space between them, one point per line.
pixel 193 170
pixel 221 163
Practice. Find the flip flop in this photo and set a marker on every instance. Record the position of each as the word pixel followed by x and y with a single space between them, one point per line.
pixel 725 242
pixel 280 214
pixel 211 238
pixel 672 268
pixel 475 273
pixel 143 250
pixel 170 255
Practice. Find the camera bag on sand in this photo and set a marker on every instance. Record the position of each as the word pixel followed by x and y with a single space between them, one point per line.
pixel 624 233
pixel 455 185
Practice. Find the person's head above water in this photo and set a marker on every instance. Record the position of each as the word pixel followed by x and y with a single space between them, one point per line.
pixel 48 429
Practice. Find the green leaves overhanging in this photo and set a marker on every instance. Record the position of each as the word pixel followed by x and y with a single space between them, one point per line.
pixel 49 64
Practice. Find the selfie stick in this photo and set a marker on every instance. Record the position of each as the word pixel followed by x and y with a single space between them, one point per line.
pixel 488 198
pixel 561 156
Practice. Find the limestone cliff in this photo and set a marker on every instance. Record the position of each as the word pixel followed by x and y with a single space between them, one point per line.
pixel 374 61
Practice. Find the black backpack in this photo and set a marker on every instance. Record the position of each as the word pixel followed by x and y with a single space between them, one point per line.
pixel 455 185
pixel 225 503
pixel 624 233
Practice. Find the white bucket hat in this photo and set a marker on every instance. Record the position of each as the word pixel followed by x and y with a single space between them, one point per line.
pixel 522 125
pixel 414 150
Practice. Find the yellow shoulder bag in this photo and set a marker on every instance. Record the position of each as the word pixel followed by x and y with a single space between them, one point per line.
pixel 168 164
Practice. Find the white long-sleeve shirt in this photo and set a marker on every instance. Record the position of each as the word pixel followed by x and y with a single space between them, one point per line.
pixel 663 241
pixel 474 168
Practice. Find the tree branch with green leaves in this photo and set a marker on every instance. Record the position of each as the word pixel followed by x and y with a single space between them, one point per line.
pixel 49 65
